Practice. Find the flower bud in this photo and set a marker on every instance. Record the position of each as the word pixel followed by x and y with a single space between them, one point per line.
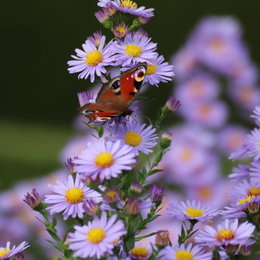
pixel 120 30
pixel 162 238
pixel 245 250
pixel 166 140
pixel 231 249
pixel 70 165
pixel 33 199
pixel 253 208
pixel 133 206
pixel 136 187
pixel 112 195
pixel 172 104
pixel 156 193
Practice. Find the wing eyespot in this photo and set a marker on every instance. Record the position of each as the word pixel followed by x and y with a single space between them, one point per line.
pixel 139 73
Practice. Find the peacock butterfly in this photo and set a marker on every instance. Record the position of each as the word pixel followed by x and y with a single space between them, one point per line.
pixel 115 96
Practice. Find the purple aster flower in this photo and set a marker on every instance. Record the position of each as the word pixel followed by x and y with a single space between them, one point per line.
pixel 238 209
pixel 130 7
pixel 209 114
pixel 250 148
pixel 200 87
pixel 189 161
pixel 97 237
pixel 191 210
pixel 230 138
pixel 245 189
pixel 133 49
pixel 7 252
pixel 185 62
pixel 96 38
pixel 92 61
pixel 136 136
pixel 254 172
pixel 256 115
pixel 104 160
pixel 226 233
pixel 216 42
pixel 240 172
pixel 184 252
pixel 245 95
pixel 70 197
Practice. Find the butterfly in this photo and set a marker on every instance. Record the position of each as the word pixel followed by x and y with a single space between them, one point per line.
pixel 115 96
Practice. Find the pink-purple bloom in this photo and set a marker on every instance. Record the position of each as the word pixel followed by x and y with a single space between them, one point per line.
pixel 69 197
pixel 136 136
pixel 7 252
pixel 226 233
pixel 130 7
pixel 92 60
pixel 133 49
pixel 97 238
pixel 184 252
pixel 250 147
pixel 191 210
pixel 256 115
pixel 104 160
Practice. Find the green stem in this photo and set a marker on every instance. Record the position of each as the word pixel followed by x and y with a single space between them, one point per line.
pixel 145 236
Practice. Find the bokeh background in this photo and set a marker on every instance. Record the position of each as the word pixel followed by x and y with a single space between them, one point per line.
pixel 38 96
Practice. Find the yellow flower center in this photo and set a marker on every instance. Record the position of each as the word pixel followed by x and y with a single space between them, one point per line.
pixel 104 160
pixel 4 252
pixel 93 58
pixel 151 69
pixel 128 3
pixel 254 191
pixel 258 143
pixel 132 138
pixel 96 235
pixel 225 234
pixel 139 252
pixel 186 154
pixel 111 194
pixel 74 195
pixel 218 46
pixel 194 213
pixel 133 50
pixel 247 199
pixel 121 30
pixel 183 255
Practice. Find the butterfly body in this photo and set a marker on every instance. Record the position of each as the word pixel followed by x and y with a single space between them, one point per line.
pixel 115 96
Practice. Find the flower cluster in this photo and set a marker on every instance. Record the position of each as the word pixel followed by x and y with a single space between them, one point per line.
pixel 106 205
pixel 130 46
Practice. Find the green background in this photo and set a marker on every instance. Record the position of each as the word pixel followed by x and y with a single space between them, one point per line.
pixel 38 96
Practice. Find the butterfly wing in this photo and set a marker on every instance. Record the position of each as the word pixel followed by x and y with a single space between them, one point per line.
pixel 115 96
